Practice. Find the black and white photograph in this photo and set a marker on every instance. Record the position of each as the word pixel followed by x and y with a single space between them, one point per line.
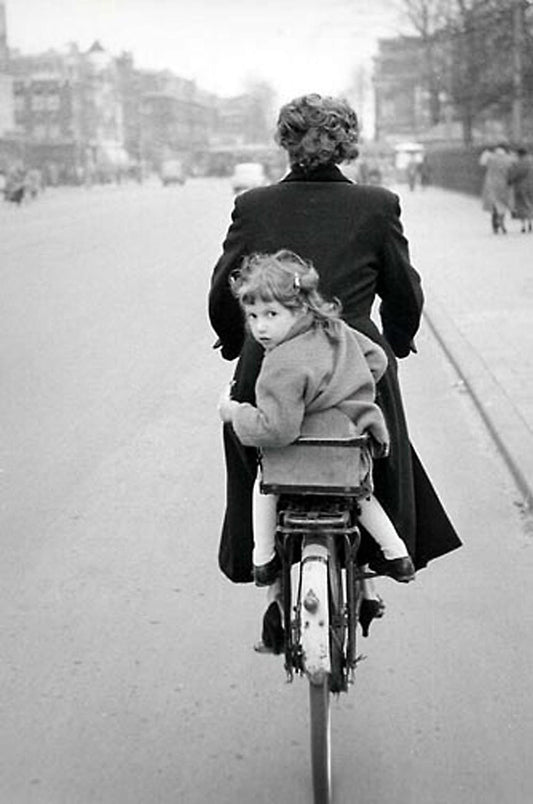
pixel 266 401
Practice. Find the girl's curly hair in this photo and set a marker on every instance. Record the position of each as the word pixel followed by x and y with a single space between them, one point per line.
pixel 286 278
pixel 318 130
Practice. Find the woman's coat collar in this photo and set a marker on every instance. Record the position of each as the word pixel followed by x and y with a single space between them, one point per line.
pixel 322 173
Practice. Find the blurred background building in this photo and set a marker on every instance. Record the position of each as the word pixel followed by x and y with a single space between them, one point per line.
pixel 465 76
pixel 460 80
pixel 7 106
pixel 85 116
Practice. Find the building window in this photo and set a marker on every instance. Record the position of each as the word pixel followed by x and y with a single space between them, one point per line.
pixel 38 102
pixel 39 131
pixel 52 102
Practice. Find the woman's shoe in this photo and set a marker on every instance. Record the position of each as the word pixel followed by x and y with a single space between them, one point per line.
pixel 266 574
pixel 370 609
pixel 400 569
pixel 273 634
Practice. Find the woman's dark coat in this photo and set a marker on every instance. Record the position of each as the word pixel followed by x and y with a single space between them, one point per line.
pixel 353 235
pixel 521 179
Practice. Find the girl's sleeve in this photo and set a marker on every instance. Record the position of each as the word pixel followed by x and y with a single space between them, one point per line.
pixel 276 419
pixel 399 285
pixel 224 312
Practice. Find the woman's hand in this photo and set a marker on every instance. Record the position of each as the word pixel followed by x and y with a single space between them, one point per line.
pixel 226 405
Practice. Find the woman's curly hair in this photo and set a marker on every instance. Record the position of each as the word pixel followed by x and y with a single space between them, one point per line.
pixel 318 130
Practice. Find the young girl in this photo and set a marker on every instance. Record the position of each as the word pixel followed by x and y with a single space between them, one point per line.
pixel 313 362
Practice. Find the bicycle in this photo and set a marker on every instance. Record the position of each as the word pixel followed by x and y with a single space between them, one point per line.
pixel 318 534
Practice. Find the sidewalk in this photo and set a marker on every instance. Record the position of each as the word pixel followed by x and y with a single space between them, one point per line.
pixel 479 304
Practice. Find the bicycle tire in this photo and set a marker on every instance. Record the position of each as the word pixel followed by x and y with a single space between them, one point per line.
pixel 337 622
pixel 319 707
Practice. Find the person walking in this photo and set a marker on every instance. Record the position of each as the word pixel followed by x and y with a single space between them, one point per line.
pixel 521 180
pixel 354 237
pixel 424 172
pixel 411 172
pixel 496 193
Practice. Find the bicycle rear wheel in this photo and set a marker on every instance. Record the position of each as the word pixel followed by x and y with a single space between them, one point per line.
pixel 319 705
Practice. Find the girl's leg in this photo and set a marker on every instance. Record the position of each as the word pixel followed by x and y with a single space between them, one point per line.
pixel 264 523
pixel 377 523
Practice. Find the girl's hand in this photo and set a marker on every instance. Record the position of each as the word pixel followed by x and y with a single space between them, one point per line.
pixel 226 405
pixel 379 449
pixel 379 446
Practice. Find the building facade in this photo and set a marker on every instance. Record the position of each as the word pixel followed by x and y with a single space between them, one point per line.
pixel 97 115
pixel 83 116
pixel 401 100
pixel 68 112
pixel 7 105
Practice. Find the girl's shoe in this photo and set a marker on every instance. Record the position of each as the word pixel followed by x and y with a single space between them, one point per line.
pixel 371 609
pixel 400 569
pixel 266 574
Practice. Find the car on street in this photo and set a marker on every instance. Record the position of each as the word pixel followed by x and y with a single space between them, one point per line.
pixel 247 175
pixel 172 172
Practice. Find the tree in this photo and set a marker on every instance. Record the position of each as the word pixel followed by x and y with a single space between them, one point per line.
pixel 427 18
pixel 479 40
pixel 469 47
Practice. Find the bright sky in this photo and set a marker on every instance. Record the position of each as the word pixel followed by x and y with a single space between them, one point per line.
pixel 296 45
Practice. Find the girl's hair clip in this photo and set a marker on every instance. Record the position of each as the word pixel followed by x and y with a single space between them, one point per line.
pixel 297 283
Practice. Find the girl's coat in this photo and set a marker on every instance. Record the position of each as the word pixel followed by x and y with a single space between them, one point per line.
pixel 311 372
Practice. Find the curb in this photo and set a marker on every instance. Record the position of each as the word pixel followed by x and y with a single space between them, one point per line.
pixel 510 433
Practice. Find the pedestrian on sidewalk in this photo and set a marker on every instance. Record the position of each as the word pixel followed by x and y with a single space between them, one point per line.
pixel 496 194
pixel 411 172
pixel 521 180
pixel 354 237
pixel 424 172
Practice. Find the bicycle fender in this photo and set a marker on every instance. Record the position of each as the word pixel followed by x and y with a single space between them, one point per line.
pixel 315 613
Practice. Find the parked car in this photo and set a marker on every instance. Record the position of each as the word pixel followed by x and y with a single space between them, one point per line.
pixel 172 172
pixel 247 175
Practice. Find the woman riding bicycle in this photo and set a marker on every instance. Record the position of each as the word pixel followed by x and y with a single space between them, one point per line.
pixel 353 236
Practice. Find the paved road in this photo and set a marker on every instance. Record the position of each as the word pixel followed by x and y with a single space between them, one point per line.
pixel 127 673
